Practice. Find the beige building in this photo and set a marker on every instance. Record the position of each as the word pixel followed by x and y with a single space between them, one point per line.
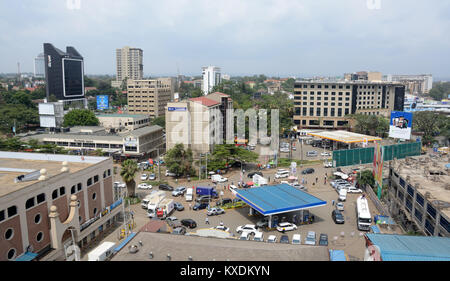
pixel 149 96
pixel 49 201
pixel 197 123
pixel 123 122
pixel 325 104
pixel 130 65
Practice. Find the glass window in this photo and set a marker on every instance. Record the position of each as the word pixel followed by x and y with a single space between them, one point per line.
pixel 62 191
pixel 40 198
pixel 55 194
pixel 29 203
pixel 12 211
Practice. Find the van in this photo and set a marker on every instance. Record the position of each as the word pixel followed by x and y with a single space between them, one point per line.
pixel 283 174
pixel 343 194
pixel 218 178
pixel 259 237
pixel 311 153
pixel 188 195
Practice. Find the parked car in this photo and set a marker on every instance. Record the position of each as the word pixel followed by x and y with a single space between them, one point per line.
pixel 337 217
pixel 171 218
pixel 189 223
pixel 222 227
pixel 336 182
pixel 170 174
pixel 272 239
pixel 248 228
pixel 245 236
pixel 300 187
pixel 204 199
pixel 353 189
pixel 152 177
pixel 284 239
pixel 323 239
pixel 144 177
pixel 311 153
pixel 250 175
pixel 224 201
pixel 143 185
pixel 262 222
pixel 165 187
pixel 218 178
pixel 179 191
pixel 178 206
pixel 180 230
pixel 200 206
pixel 310 238
pixel 259 237
pixel 286 226
pixel 283 174
pixel 215 211
pixel 325 154
pixel 308 171
pixel 340 206
pixel 296 239
pixel 328 164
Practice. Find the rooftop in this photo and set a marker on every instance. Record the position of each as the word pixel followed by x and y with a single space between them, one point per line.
pixel 430 176
pixel 205 101
pixel 344 136
pixel 411 248
pixel 180 247
pixel 12 165
pixel 123 115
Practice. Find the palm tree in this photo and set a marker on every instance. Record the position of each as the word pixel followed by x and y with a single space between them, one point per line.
pixel 128 172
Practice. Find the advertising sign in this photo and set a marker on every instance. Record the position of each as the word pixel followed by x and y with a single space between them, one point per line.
pixel 176 109
pixel 102 102
pixel 400 125
pixel 378 166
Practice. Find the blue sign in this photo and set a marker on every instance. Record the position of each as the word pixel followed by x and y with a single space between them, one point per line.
pixel 400 125
pixel 176 108
pixel 102 102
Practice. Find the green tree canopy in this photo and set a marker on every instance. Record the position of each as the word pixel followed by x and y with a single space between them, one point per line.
pixel 431 124
pixel 160 121
pixel 440 91
pixel 179 161
pixel 366 177
pixel 80 117
pixel 128 172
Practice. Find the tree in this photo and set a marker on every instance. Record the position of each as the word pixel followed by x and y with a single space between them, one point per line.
pixel 224 154
pixel 179 161
pixel 160 121
pixel 365 178
pixel 80 117
pixel 20 114
pixel 128 172
pixel 431 124
pixel 440 90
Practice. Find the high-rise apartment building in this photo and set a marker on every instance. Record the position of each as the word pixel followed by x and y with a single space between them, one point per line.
pixel 129 65
pixel 324 104
pixel 39 66
pixel 64 73
pixel 211 77
pixel 149 96
pixel 415 84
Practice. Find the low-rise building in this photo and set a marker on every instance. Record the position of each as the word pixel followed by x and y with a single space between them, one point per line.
pixel 48 202
pixel 122 122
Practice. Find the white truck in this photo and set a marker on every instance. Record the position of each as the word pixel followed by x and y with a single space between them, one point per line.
pixel 154 203
pixel 165 208
pixel 259 181
pixel 218 178
pixel 363 217
pixel 102 252
pixel 188 195
pixel 149 198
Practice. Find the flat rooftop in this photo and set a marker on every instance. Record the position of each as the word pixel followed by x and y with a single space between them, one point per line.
pixel 431 176
pixel 344 136
pixel 117 115
pixel 14 164
pixel 180 247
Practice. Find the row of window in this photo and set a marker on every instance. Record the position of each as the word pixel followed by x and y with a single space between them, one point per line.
pixel 320 98
pixel 325 93
pixel 325 122
pixel 312 86
pixel 319 110
pixel 320 103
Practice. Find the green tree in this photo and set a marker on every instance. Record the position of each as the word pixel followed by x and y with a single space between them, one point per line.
pixel 128 172
pixel 160 121
pixel 20 114
pixel 80 117
pixel 179 161
pixel 431 124
pixel 440 91
pixel 365 177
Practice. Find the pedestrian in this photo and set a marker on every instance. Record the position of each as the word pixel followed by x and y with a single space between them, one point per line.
pixel 269 179
pixel 325 180
pixel 332 202
pixel 317 179
pixel 190 206
pixel 207 220
pixel 221 223
pixel 303 180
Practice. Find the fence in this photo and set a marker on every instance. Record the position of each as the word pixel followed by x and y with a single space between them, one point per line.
pixel 381 208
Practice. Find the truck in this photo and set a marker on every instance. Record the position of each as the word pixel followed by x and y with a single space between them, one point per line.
pixel 153 204
pixel 102 252
pixel 165 208
pixel 158 194
pixel 188 195
pixel 259 181
pixel 218 178
pixel 206 190
pixel 363 217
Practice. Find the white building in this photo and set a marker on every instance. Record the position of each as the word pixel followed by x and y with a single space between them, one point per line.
pixel 129 65
pixel 211 77
pixel 39 66
pixel 415 84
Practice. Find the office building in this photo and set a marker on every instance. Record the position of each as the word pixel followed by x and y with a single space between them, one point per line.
pixel 130 65
pixel 211 77
pixel 123 122
pixel 419 194
pixel 64 73
pixel 364 76
pixel 325 104
pixel 149 96
pixel 48 202
pixel 415 84
pixel 199 123
pixel 39 66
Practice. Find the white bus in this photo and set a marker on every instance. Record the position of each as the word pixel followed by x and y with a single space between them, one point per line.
pixel 363 217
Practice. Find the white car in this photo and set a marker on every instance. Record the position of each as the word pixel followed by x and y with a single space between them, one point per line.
pixel 172 218
pixel 296 239
pixel 310 238
pixel 272 239
pixel 340 206
pixel 152 177
pixel 218 178
pixel 245 235
pixel 144 186
pixel 144 177
pixel 325 154
pixel 286 226
pixel 222 227
pixel 259 237
pixel 353 189
pixel 300 187
pixel 328 164
pixel 336 182
pixel 251 228
pixel 169 174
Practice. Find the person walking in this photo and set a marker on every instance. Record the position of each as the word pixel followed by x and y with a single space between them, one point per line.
pixel 190 206
pixel 317 179
pixel 332 202
pixel 325 180
pixel 207 220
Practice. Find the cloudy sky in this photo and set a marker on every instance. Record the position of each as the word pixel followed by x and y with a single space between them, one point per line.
pixel 279 37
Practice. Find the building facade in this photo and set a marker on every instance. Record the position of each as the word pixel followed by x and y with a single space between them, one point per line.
pixel 415 84
pixel 130 65
pixel 199 123
pixel 149 96
pixel 50 201
pixel 39 66
pixel 123 122
pixel 64 73
pixel 325 104
pixel 211 77
pixel 419 194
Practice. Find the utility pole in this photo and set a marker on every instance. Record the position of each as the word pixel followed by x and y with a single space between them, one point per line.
pixel 206 170
pixel 159 170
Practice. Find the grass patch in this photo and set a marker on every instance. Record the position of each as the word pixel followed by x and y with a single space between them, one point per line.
pixel 155 183
pixel 285 162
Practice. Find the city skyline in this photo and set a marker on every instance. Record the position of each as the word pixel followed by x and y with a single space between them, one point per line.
pixel 279 38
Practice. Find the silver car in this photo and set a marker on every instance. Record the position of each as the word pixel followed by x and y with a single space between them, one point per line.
pixel 310 238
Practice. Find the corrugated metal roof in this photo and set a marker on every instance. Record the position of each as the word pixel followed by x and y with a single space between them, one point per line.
pixel 275 199
pixel 411 248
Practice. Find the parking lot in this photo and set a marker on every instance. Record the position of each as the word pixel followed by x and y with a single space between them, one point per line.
pixel 341 236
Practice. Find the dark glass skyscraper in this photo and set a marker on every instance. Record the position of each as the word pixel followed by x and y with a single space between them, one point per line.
pixel 64 73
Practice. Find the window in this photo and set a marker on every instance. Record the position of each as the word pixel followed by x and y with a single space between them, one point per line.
pixel 419 199
pixel 418 214
pixel 62 191
pixel 332 111
pixel 2 215
pixel 9 233
pixel 29 203
pixel 39 236
pixel 12 211
pixel 347 111
pixel 104 174
pixel 11 254
pixel 444 223
pixel 79 186
pixel 73 189
pixel 40 198
pixel 318 111
pixel 339 111
pixel 431 211
pixel 325 112
pixel 304 111
pixel 89 182
pixel 95 178
pixel 94 196
pixel 311 111
pixel 95 212
pixel 37 218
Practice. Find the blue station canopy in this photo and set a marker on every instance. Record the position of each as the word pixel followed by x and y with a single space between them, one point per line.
pixel 276 199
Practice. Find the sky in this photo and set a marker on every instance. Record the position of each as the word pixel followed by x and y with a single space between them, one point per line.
pixel 243 37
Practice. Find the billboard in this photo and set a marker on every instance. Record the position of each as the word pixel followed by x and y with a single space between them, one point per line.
pixel 378 166
pixel 102 102
pixel 400 125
